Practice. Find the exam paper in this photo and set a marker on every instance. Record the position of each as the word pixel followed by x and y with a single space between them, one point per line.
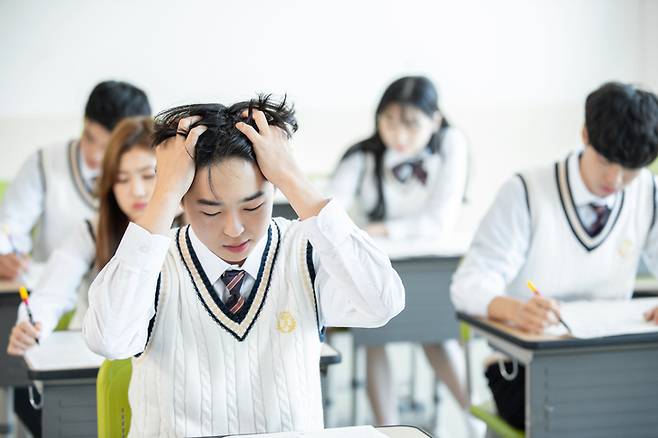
pixel 594 319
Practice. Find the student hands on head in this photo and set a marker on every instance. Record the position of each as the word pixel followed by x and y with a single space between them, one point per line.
pixel 228 192
pixel 532 316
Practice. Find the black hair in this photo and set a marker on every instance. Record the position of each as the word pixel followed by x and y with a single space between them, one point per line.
pixel 410 91
pixel 222 139
pixel 622 124
pixel 112 101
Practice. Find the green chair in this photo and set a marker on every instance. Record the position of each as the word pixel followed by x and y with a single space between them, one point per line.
pixel 64 321
pixel 3 188
pixel 487 411
pixel 113 408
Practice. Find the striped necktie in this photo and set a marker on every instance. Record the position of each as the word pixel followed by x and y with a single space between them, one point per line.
pixel 233 280
pixel 602 213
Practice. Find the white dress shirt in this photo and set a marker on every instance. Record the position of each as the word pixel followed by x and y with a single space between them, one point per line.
pixel 57 290
pixel 498 251
pixel 214 267
pixel 355 283
pixel 412 210
pixel 22 205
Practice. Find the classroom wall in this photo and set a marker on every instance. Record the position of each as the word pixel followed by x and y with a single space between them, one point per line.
pixel 512 74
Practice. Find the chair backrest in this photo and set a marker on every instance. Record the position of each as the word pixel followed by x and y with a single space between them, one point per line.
pixel 3 188
pixel 65 321
pixel 113 408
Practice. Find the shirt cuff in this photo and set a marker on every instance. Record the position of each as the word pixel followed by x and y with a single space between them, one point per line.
pixel 142 250
pixel 330 228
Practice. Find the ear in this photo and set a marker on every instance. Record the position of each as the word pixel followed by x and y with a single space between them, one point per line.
pixel 437 119
pixel 585 136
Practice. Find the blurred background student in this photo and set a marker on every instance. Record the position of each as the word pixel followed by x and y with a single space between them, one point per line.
pixel 406 182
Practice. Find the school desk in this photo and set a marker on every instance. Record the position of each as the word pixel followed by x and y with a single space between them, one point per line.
pixel 12 369
pixel 603 387
pixel 388 431
pixel 425 268
pixel 65 370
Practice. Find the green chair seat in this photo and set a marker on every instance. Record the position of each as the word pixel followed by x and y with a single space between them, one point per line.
pixel 65 321
pixel 487 413
pixel 113 408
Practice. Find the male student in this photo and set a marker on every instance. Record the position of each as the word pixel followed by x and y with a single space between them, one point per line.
pixel 54 189
pixel 226 315
pixel 577 228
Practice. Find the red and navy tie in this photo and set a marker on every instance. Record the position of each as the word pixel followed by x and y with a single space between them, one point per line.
pixel 233 280
pixel 602 213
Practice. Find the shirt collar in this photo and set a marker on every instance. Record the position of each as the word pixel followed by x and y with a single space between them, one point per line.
pixel 581 195
pixel 88 174
pixel 214 266
pixel 392 157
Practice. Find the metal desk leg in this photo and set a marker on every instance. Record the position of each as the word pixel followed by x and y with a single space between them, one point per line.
pixel 6 410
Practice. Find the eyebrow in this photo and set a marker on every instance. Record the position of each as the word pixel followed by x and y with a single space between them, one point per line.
pixel 141 169
pixel 213 203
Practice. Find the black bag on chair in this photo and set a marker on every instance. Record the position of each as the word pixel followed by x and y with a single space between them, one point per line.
pixel 508 392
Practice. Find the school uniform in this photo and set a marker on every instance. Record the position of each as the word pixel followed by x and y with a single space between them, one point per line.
pixel 423 193
pixel 218 356
pixel 545 226
pixel 53 192
pixel 64 282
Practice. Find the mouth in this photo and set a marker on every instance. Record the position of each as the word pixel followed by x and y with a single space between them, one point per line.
pixel 608 190
pixel 237 249
pixel 139 205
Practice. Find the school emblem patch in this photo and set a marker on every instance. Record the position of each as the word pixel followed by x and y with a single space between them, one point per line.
pixel 625 248
pixel 286 322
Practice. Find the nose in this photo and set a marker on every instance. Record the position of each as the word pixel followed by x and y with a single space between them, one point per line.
pixel 233 226
pixel 137 188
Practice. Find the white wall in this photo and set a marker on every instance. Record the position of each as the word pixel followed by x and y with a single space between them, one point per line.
pixel 512 74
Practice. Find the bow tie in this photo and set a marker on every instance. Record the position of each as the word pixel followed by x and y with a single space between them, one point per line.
pixel 407 169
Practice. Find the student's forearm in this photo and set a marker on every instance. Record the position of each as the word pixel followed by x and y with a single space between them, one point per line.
pixel 304 198
pixel 503 308
pixel 122 297
pixel 160 213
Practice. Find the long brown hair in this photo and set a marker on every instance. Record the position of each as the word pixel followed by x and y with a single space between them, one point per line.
pixel 112 221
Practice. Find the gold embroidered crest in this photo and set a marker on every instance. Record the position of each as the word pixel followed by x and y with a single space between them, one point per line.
pixel 286 322
pixel 625 248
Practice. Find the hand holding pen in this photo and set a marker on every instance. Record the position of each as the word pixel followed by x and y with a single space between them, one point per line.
pixel 536 292
pixel 14 264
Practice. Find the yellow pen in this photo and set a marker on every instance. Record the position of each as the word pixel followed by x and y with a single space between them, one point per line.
pixel 535 291
pixel 22 291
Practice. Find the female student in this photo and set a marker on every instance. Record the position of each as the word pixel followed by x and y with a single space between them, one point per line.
pixel 226 314
pixel 406 181
pixel 124 190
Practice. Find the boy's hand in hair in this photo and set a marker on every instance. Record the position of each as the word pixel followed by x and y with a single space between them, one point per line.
pixel 175 162
pixel 279 167
pixel 174 175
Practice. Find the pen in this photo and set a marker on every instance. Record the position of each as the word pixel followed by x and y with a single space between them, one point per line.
pixel 535 291
pixel 24 296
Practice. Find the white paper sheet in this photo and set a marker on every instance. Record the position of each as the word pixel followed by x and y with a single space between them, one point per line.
pixel 340 432
pixel 595 319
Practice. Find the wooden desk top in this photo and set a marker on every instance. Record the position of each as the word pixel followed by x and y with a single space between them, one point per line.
pixel 547 342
